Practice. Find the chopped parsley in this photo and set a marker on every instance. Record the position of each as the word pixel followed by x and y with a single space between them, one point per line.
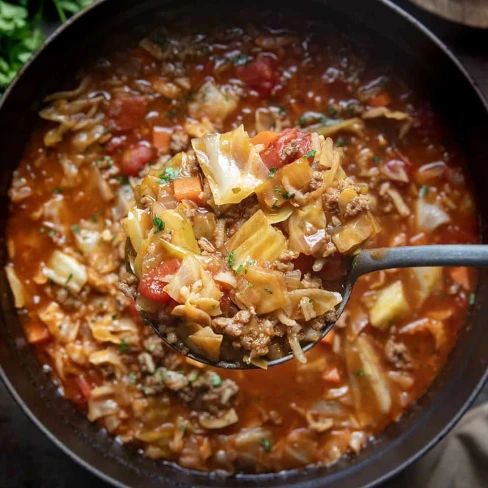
pixel 70 277
pixel 275 204
pixel 360 372
pixel 123 179
pixel 159 224
pixel 105 161
pixel 172 113
pixel 287 195
pixel 115 316
pixel 250 285
pixel 124 346
pixel 239 268
pixel 42 230
pixel 265 444
pixel 182 427
pixel 132 378
pixel 75 229
pixel 310 154
pixel 472 298
pixel 267 290
pixel 272 172
pixel 424 189
pixel 251 262
pixel 52 233
pixel 340 142
pixel 152 347
pixel 302 122
pixel 94 218
pixel 278 190
pixel 231 259
pixel 168 175
pixel 240 60
pixel 147 391
pixel 310 300
pixel 376 159
pixel 215 380
pixel 193 376
pixel 332 111
pixel 57 191
pixel 282 110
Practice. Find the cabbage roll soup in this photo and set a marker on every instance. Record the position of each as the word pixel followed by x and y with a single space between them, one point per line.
pixel 238 170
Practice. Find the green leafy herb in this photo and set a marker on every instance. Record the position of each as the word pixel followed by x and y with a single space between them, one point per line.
pixel 65 7
pixel 168 175
pixel 472 298
pixel 239 268
pixel 182 427
pixel 310 300
pixel 123 179
pixel 70 277
pixel 215 380
pixel 75 229
pixel 94 218
pixel 332 111
pixel 57 191
pixel 124 346
pixel 277 190
pixel 42 230
pixel 360 372
pixel 376 159
pixel 302 122
pixel 115 316
pixel 275 204
pixel 132 378
pixel 231 258
pixel 250 285
pixel 265 444
pixel 424 189
pixel 193 376
pixel 159 224
pixel 282 110
pixel 310 154
pixel 52 233
pixel 340 142
pixel 152 347
pixel 172 113
pixel 287 195
pixel 272 172
pixel 240 60
pixel 267 290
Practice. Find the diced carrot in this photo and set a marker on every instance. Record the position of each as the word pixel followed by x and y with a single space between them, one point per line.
pixel 187 188
pixel 329 338
pixel 36 332
pixel 265 137
pixel 161 139
pixel 460 275
pixel 381 100
pixel 332 376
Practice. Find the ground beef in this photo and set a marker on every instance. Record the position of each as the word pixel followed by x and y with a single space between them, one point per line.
pixel 232 326
pixel 397 354
pixel 357 205
pixel 179 141
pixel 256 337
pixel 154 345
pixel 289 151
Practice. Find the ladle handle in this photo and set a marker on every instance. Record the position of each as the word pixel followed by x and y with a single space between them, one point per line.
pixel 369 260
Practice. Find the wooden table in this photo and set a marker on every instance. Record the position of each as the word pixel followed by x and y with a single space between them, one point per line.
pixel 469 12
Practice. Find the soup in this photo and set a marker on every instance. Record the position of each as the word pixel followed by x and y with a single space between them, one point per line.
pixel 135 110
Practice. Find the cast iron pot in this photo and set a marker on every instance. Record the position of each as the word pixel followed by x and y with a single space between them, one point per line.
pixel 398 40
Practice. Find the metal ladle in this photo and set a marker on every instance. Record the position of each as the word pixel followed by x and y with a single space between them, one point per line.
pixel 368 261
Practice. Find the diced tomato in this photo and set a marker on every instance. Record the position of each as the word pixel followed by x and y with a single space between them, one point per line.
pixel 151 285
pixel 117 142
pixel 36 332
pixel 328 338
pixel 383 99
pixel 83 385
pixel 289 146
pixel 225 302
pixel 260 75
pixel 134 159
pixel 127 112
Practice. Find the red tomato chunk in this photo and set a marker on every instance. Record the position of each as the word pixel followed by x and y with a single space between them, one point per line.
pixel 290 146
pixel 133 160
pixel 126 113
pixel 260 75
pixel 151 286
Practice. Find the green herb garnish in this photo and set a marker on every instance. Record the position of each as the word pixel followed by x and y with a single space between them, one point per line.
pixel 94 218
pixel 182 427
pixel 240 60
pixel 424 189
pixel 360 372
pixel 472 298
pixel 168 175
pixel 275 204
pixel 272 172
pixel 239 268
pixel 123 179
pixel 287 195
pixel 75 229
pixel 159 224
pixel 57 191
pixel 215 380
pixel 70 277
pixel 376 159
pixel 42 230
pixel 231 259
pixel 310 154
pixel 277 190
pixel 265 444
pixel 132 378
pixel 267 290
pixel 332 111
pixel 340 142
pixel 124 346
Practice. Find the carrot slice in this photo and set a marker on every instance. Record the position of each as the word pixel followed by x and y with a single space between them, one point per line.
pixel 161 139
pixel 460 275
pixel 332 376
pixel 187 188
pixel 329 338
pixel 36 333
pixel 381 100
pixel 265 137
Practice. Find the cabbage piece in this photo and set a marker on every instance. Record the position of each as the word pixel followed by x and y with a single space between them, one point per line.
pixel 428 280
pixel 125 200
pixel 137 225
pixel 87 240
pixel 277 216
pixel 206 343
pixel 355 232
pixel 215 103
pixel 192 314
pixel 106 329
pixel 59 324
pixel 66 271
pixel 204 225
pixel 257 240
pixel 102 403
pixel 231 164
pixel 374 113
pixel 230 417
pixel 355 125
pixel 322 301
pixel 194 284
pixel 261 288
pixel 306 229
pixel 108 356
pixel 16 286
pixel 181 229
pixel 272 193
pixel 429 216
pixel 390 305
pixel 369 386
pixel 434 327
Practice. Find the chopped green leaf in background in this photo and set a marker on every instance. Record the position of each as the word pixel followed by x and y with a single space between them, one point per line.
pixel 20 33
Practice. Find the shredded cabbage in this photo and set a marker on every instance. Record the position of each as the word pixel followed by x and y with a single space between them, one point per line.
pixel 321 301
pixel 66 271
pixel 231 165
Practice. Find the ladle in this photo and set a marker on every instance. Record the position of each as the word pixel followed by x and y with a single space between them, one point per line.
pixel 367 261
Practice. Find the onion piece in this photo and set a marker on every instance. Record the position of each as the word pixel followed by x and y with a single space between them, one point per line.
pixel 16 287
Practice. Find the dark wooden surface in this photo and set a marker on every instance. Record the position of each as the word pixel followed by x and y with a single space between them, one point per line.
pixel 469 12
pixel 28 459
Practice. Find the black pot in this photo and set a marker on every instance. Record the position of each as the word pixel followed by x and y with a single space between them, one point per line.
pixel 398 39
